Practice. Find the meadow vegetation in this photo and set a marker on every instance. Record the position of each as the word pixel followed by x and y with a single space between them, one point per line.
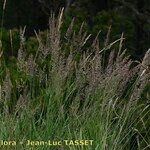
pixel 72 87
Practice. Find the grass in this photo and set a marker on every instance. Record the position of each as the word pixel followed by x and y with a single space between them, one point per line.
pixel 73 89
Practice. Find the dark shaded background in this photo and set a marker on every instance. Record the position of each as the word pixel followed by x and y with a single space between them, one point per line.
pixel 129 16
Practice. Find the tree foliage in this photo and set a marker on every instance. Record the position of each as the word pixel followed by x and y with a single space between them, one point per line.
pixel 132 17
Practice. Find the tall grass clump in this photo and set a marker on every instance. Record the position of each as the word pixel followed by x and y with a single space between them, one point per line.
pixel 74 88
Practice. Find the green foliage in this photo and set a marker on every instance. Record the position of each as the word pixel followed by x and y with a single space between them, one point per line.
pixel 59 88
pixel 10 42
pixel 130 17
pixel 32 44
pixel 79 17
pixel 119 24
